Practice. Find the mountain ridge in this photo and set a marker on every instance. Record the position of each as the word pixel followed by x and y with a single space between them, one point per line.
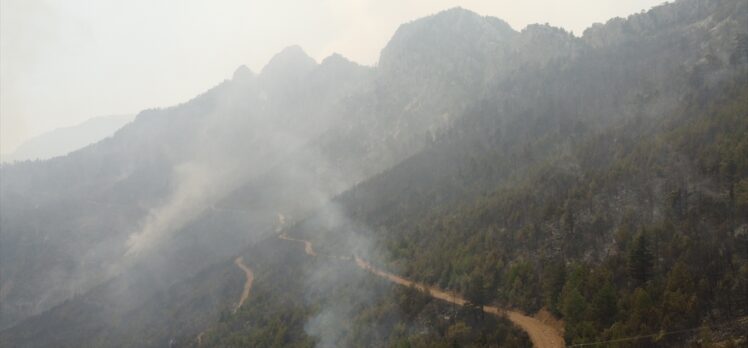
pixel 61 141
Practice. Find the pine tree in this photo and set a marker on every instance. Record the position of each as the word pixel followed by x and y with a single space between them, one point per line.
pixel 476 293
pixel 640 260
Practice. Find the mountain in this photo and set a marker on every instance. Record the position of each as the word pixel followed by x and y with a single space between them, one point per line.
pixel 62 141
pixel 316 129
pixel 598 179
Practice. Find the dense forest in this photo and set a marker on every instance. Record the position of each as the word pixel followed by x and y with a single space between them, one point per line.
pixel 663 201
pixel 359 309
pixel 640 229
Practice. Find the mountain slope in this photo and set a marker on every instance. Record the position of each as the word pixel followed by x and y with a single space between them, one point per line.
pixel 529 169
pixel 62 141
pixel 299 128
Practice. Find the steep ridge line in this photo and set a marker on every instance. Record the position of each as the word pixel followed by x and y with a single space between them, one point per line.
pixel 541 334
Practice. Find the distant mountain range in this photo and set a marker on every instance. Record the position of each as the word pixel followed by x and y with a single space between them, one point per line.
pixel 61 141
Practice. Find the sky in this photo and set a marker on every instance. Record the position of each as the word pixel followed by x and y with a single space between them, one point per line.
pixel 65 61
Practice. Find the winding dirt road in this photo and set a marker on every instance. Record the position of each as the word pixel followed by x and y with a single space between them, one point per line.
pixel 308 249
pixel 541 334
pixel 239 262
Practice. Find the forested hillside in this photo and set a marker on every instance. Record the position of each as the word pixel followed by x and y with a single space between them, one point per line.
pixel 640 229
pixel 601 178
pixel 348 308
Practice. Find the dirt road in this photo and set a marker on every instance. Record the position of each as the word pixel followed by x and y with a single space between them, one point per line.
pixel 239 262
pixel 434 292
pixel 308 249
pixel 541 334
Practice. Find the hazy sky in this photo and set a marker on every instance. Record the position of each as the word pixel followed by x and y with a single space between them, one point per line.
pixel 65 61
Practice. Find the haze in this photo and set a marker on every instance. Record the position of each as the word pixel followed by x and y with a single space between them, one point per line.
pixel 63 62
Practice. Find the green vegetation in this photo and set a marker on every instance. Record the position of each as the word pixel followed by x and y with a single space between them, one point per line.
pixel 346 307
pixel 641 229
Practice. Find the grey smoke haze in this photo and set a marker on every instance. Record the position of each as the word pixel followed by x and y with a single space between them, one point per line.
pixel 238 140
pixel 222 161
pixel 259 124
pixel 60 142
pixel 64 62
pixel 345 238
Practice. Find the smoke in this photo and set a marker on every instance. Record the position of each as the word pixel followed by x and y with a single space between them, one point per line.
pixel 223 165
pixel 258 136
pixel 197 183
pixel 198 186
pixel 239 139
pixel 335 284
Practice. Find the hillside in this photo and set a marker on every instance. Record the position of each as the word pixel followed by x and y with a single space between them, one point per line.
pixel 600 180
pixel 61 141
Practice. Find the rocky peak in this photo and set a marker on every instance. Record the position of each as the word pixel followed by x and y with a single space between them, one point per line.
pixel 447 35
pixel 291 61
pixel 242 73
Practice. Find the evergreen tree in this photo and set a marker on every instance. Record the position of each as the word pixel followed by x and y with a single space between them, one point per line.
pixel 604 307
pixel 640 260
pixel 476 293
